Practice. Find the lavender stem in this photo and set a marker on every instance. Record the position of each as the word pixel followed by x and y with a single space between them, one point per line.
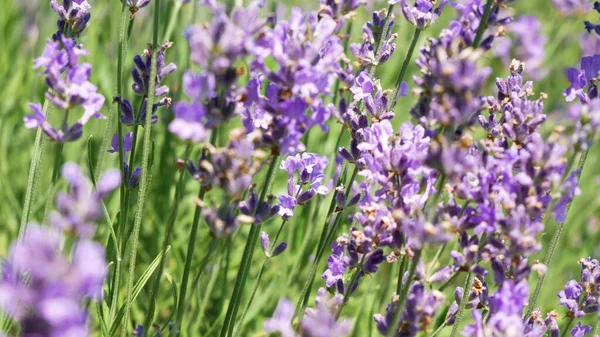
pixel 39 148
pixel 144 179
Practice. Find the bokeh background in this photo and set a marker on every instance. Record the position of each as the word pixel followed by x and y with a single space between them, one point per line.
pixel 26 24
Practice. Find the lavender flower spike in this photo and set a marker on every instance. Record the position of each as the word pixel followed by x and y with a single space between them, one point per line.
pixel 80 208
pixel 422 14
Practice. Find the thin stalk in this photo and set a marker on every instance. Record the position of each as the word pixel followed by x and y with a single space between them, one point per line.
pixel 436 258
pixel 566 328
pixel 188 263
pixel 483 23
pixel 401 272
pixel 449 280
pixel 136 129
pixel 252 294
pixel 233 306
pixel 597 329
pixel 125 30
pixel 34 170
pixel 437 331
pixel 144 180
pixel 402 73
pixel 403 295
pixel 113 115
pixel 210 287
pixel 58 161
pixel 168 230
pixel 556 237
pixel 463 303
pixel 173 20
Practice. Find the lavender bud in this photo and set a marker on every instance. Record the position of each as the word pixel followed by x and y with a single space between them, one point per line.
pixel 279 249
pixel 265 243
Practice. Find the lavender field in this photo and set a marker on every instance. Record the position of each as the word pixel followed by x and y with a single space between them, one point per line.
pixel 321 168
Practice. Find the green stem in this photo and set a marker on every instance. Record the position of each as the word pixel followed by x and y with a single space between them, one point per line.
pixel 436 258
pixel 58 161
pixel 463 303
pixel 188 263
pixel 234 304
pixel 556 236
pixel 403 295
pixel 449 280
pixel 252 294
pixel 437 331
pixel 483 23
pixel 402 73
pixel 566 328
pixel 168 230
pixel 144 180
pixel 124 36
pixel 401 272
pixel 39 148
pixel 173 20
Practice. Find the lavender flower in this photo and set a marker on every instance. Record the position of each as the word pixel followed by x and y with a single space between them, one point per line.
pixel 230 168
pixel 74 17
pixel 127 142
pixel 318 322
pixel 45 291
pixel 135 5
pixel 68 88
pixel 141 71
pixel 78 210
pixel 421 306
pixel 572 7
pixel 372 31
pixel 309 168
pixel 527 46
pixel 306 51
pixel 422 14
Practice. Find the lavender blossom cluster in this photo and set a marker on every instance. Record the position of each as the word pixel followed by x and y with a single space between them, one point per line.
pixel 473 176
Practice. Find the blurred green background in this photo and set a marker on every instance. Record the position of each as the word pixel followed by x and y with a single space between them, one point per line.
pixel 26 24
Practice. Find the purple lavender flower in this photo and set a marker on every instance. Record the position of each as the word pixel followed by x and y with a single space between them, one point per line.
pixel 281 320
pixel 580 330
pixel 365 52
pixel 230 168
pixel 321 321
pixel 450 85
pixel 68 88
pixel 309 168
pixel 528 45
pixel 135 5
pixel 421 306
pixel 141 71
pixel 572 7
pixel 306 51
pixel 74 17
pixel 422 14
pixel 44 291
pixel 571 189
pixel 78 210
pixel 133 178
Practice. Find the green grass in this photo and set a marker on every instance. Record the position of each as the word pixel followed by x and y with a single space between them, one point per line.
pixel 21 85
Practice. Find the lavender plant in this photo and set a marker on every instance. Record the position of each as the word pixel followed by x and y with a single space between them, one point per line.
pixel 397 157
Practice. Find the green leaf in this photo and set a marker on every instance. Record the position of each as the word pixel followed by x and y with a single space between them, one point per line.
pixel 137 289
